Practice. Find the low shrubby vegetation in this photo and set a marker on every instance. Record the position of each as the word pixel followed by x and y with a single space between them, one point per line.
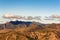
pixel 33 31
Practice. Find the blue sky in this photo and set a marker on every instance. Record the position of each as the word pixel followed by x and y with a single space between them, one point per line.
pixel 30 7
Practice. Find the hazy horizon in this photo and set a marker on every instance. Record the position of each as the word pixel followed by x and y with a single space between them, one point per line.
pixel 29 7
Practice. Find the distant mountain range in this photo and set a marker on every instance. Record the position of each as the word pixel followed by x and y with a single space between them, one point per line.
pixel 16 24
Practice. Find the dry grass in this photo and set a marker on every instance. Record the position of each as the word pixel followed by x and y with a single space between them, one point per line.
pixel 31 33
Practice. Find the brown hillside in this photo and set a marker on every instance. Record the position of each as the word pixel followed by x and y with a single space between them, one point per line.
pixel 32 32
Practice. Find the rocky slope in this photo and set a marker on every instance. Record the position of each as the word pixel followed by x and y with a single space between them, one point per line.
pixel 32 31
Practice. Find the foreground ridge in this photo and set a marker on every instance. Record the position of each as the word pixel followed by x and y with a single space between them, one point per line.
pixel 34 31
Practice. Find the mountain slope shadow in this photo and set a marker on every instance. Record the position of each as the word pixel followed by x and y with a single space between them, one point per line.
pixel 20 22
